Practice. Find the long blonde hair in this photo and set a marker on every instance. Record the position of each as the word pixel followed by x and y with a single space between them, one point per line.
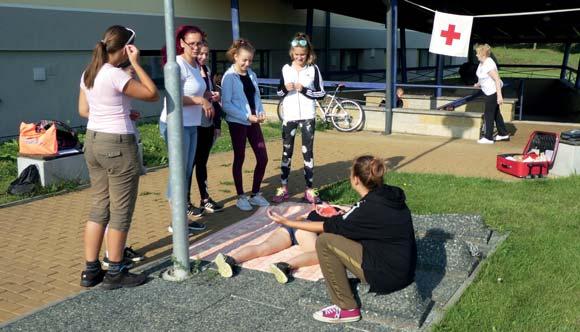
pixel 311 59
pixel 237 45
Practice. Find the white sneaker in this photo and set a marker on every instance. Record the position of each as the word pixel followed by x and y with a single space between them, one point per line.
pixel 259 200
pixel 484 140
pixel 502 138
pixel 243 203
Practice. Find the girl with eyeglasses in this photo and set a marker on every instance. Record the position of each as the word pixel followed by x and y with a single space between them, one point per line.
pixel 111 153
pixel 188 43
pixel 300 85
pixel 242 106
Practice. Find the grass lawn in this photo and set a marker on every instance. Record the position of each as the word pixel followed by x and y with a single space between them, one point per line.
pixel 539 264
pixel 540 56
pixel 154 154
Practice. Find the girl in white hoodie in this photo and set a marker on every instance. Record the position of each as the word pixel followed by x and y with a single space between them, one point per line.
pixel 300 85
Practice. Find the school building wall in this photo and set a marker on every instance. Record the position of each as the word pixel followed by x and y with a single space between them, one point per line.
pixel 46 45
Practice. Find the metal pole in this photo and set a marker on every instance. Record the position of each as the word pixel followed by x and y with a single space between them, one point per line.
pixel 389 69
pixel 522 99
pixel 309 21
pixel 327 43
pixel 565 61
pixel 235 19
pixel 394 11
pixel 577 85
pixel 181 269
pixel 403 37
pixel 439 74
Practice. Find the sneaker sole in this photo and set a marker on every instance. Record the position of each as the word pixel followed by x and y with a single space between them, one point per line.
pixel 87 284
pixel 117 286
pixel 224 269
pixel 137 259
pixel 210 210
pixel 280 276
pixel 244 209
pixel 280 200
pixel 321 318
pixel 129 266
pixel 260 205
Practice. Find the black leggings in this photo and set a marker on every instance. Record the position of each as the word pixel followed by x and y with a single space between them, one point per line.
pixel 288 136
pixel 491 115
pixel 205 137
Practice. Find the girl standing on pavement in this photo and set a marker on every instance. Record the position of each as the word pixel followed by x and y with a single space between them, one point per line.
pixel 207 134
pixel 111 153
pixel 300 85
pixel 189 40
pixel 242 105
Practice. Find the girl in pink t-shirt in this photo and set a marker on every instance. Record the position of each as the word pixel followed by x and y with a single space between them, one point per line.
pixel 111 153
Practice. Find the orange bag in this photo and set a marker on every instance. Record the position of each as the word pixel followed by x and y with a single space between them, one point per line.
pixel 36 139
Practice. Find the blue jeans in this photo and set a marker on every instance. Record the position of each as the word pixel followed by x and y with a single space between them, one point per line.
pixel 189 147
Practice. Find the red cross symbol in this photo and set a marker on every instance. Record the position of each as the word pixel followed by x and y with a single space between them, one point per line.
pixel 450 34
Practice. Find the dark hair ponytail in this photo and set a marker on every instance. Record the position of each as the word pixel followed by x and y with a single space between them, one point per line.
pixel 370 170
pixel 114 39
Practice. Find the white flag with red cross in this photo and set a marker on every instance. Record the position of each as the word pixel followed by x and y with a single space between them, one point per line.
pixel 451 34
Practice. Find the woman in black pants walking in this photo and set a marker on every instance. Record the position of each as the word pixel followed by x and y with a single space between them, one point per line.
pixel 490 84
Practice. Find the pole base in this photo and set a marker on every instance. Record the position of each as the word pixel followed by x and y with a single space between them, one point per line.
pixel 175 274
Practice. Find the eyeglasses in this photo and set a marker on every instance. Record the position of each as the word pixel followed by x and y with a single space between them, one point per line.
pixel 193 44
pixel 301 42
pixel 132 38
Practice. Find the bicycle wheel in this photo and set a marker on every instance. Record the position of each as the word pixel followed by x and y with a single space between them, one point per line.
pixel 347 115
pixel 280 110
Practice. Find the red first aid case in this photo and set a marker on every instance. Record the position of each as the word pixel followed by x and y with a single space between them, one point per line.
pixel 540 143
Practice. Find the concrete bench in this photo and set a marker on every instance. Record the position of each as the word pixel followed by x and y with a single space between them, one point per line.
pixel 427 102
pixel 59 169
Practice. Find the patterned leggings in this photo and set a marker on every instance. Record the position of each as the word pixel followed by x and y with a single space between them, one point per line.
pixel 288 135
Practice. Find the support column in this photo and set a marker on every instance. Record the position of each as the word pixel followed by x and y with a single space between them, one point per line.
pixel 326 43
pixel 439 74
pixel 235 5
pixel 309 21
pixel 403 43
pixel 389 70
pixel 577 85
pixel 565 61
pixel 181 267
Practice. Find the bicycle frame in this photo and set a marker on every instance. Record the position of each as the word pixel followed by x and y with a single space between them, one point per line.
pixel 326 110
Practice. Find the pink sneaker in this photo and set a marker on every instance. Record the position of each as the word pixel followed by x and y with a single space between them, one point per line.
pixel 333 314
pixel 281 195
pixel 311 196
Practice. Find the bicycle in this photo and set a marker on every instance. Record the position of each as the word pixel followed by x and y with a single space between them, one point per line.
pixel 345 114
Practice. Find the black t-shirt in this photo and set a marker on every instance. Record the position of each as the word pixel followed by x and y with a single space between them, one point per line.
pixel 250 91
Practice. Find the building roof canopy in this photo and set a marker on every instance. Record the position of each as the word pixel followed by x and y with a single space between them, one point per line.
pixel 555 27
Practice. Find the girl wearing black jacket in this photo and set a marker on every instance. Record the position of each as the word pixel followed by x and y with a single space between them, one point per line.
pixel 375 240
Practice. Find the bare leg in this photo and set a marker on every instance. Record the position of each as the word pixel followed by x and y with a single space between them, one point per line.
pixel 93 239
pixel 278 241
pixel 307 244
pixel 116 244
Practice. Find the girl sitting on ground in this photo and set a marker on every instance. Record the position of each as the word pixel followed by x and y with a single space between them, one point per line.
pixel 374 240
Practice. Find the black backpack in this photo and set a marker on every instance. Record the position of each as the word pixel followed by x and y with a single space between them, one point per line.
pixel 26 182
pixel 66 137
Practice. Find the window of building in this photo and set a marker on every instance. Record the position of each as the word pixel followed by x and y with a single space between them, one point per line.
pixel 422 57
